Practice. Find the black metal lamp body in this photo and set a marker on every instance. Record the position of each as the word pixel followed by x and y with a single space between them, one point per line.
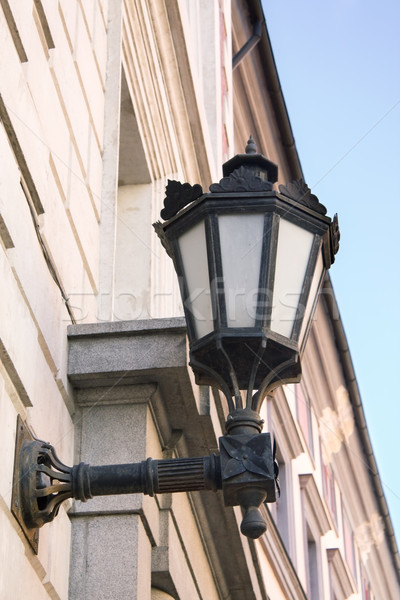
pixel 250 262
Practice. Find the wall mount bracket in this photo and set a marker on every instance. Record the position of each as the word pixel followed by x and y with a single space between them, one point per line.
pixel 23 438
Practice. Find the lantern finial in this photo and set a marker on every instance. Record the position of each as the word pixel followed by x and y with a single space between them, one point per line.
pixel 251 147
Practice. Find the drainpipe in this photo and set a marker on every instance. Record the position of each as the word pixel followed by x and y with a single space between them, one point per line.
pixel 249 45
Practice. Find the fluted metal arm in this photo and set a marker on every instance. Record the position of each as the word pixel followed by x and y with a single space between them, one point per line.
pixel 147 477
pixel 45 482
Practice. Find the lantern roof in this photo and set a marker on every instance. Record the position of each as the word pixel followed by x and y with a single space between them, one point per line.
pixel 254 161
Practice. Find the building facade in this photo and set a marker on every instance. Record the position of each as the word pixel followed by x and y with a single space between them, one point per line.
pixel 101 102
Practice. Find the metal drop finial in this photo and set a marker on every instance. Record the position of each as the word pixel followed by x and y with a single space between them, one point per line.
pixel 251 147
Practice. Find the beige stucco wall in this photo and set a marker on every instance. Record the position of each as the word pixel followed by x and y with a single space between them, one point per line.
pixel 76 244
pixel 53 105
pixel 60 77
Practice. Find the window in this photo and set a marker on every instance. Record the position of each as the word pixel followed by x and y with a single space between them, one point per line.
pixel 366 592
pixel 349 550
pixel 279 509
pixel 328 481
pixel 304 416
pixel 312 567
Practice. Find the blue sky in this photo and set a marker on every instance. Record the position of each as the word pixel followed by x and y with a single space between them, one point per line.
pixel 339 67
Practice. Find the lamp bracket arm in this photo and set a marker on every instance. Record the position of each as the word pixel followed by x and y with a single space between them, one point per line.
pixel 243 470
pixel 44 482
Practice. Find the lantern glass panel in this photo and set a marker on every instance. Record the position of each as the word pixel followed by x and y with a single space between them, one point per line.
pixel 293 253
pixel 193 250
pixel 319 269
pixel 241 239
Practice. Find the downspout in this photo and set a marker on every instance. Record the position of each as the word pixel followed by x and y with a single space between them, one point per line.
pixel 264 49
pixel 248 46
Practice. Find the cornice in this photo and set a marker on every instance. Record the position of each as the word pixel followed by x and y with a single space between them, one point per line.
pixel 314 504
pixel 286 426
pixel 146 87
pixel 341 578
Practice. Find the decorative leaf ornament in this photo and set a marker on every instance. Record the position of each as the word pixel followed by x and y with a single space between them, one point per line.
pixel 244 456
pixel 163 238
pixel 242 179
pixel 334 235
pixel 177 196
pixel 298 190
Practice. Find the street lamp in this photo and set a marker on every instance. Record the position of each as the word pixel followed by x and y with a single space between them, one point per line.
pixel 250 262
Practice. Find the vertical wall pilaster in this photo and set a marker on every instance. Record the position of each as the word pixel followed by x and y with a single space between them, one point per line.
pixel 108 212
pixel 111 534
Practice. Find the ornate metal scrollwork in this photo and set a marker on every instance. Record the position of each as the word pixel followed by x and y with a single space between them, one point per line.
pixel 298 190
pixel 45 483
pixel 242 179
pixel 335 235
pixel 248 477
pixel 178 195
pixel 158 228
